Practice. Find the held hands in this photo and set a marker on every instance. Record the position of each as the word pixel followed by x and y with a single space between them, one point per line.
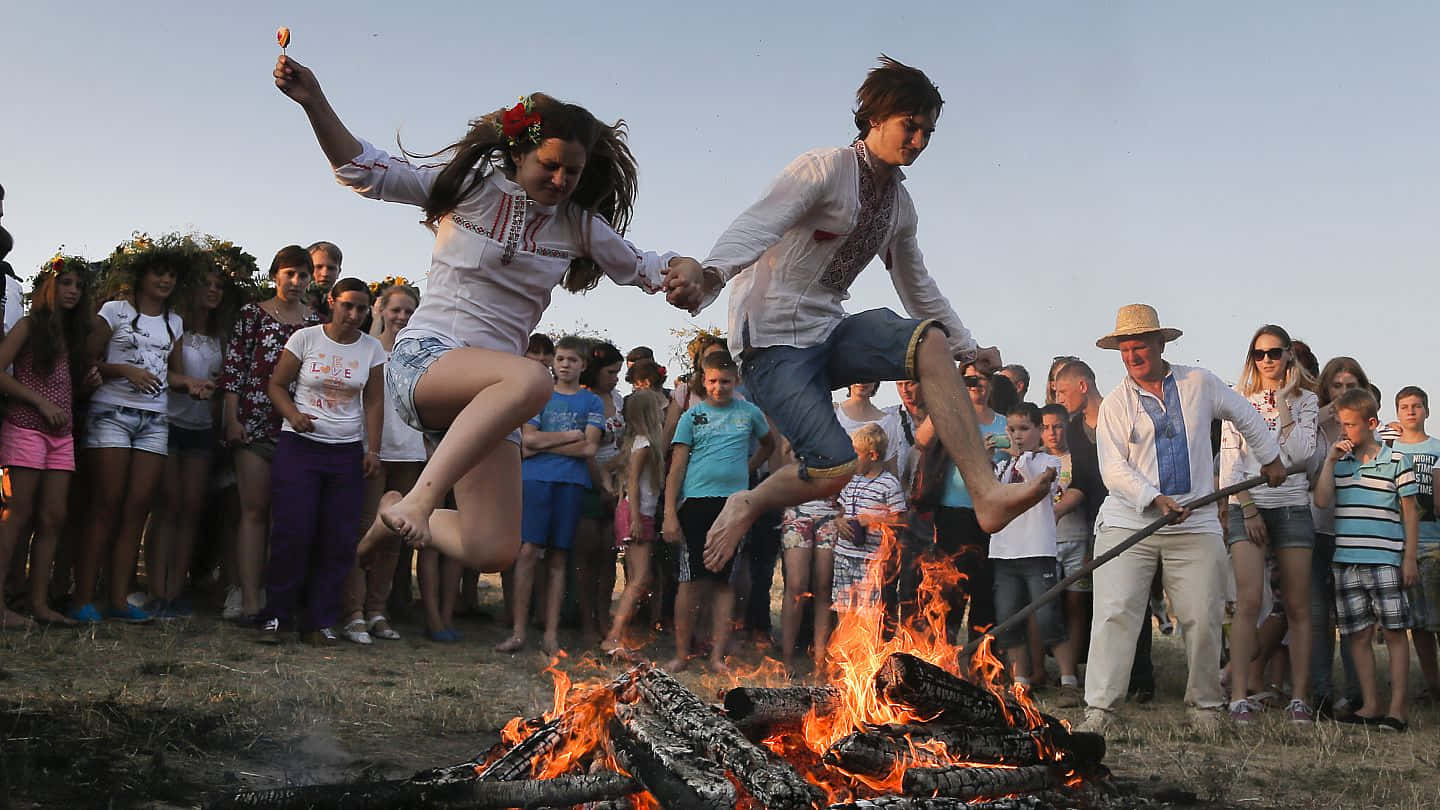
pixel 235 434
pixel 142 380
pixel 987 360
pixel 93 379
pixel 1171 508
pixel 684 283
pixel 296 81
pixel 370 464
pixel 203 389
pixel 53 416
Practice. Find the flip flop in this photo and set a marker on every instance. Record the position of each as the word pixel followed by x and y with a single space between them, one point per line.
pixel 1388 723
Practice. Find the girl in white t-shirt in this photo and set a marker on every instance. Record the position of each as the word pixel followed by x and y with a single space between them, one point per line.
pixel 317 491
pixel 641 447
pixel 533 197
pixel 127 435
pixel 402 454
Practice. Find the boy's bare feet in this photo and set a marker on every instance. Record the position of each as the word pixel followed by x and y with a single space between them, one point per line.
pixel 410 521
pixel 379 533
pixel 45 615
pixel 729 529
pixel 510 645
pixel 677 664
pixel 997 505
pixel 10 620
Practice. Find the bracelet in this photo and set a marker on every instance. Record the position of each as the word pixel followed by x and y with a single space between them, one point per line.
pixel 1249 511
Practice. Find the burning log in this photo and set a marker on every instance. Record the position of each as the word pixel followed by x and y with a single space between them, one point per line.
pixel 667 764
pixel 518 761
pixel 564 791
pixel 874 752
pixel 932 691
pixel 965 782
pixel 773 783
pixel 942 803
pixel 785 706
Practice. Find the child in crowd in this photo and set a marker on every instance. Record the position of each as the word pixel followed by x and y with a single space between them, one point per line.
pixel 711 460
pixel 127 435
pixel 643 453
pixel 872 497
pixel 1072 551
pixel 807 542
pixel 1377 522
pixel 559 441
pixel 337 410
pixel 1024 552
pixel 48 350
pixel 1412 408
pixel 541 349
pixel 593 557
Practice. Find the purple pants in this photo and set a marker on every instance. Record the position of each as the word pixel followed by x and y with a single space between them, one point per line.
pixel 317 495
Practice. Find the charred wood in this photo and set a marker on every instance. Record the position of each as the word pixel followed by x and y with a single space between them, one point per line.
pixel 979 782
pixel 942 803
pixel 935 693
pixel 564 791
pixel 667 763
pixel 783 706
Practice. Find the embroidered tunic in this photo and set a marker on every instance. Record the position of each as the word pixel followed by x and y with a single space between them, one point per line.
pixel 498 256
pixel 806 240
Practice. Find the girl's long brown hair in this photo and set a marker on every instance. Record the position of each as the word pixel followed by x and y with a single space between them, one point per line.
pixel 59 332
pixel 606 188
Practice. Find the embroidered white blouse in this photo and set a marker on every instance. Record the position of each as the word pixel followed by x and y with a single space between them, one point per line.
pixel 806 240
pixel 1125 439
pixel 1297 443
pixel 498 256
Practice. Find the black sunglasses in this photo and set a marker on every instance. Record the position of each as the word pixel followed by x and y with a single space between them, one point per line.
pixel 972 381
pixel 1260 354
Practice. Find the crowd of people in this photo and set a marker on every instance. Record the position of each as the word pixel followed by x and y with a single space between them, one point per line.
pixel 291 437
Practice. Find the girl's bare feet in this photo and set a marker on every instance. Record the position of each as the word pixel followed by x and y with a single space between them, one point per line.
pixel 510 645
pixel 677 664
pixel 45 615
pixel 10 620
pixel 550 645
pixel 379 532
pixel 409 520
pixel 729 529
pixel 996 505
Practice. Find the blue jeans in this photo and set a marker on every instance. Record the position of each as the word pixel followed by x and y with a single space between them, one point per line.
pixel 1018 582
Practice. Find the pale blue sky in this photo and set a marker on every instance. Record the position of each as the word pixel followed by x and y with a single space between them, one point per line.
pixel 1230 164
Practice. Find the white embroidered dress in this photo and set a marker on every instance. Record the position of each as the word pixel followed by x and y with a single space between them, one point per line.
pixel 498 256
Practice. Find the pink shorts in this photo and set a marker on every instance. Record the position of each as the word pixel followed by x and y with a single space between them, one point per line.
pixel 35 449
pixel 622 523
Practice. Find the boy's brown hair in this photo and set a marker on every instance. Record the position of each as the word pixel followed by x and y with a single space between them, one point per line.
pixel 1358 400
pixel 719 361
pixel 1413 391
pixel 894 89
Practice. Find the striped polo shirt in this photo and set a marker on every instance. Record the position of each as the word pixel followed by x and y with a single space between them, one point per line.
pixel 1368 526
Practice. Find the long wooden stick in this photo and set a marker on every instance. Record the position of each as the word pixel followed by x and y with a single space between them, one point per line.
pixel 1155 526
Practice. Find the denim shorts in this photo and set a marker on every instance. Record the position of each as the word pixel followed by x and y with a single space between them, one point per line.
pixel 1287 526
pixel 793 385
pixel 1019 582
pixel 118 426
pixel 409 361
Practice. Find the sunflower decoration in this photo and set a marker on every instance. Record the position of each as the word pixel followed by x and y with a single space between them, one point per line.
pixel 239 274
pixel 142 253
pixel 378 288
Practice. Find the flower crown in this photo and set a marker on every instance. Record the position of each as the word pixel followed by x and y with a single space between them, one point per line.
pixel 63 264
pixel 519 123
pixel 377 287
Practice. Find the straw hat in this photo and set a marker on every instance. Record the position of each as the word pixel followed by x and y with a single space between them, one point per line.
pixel 1134 320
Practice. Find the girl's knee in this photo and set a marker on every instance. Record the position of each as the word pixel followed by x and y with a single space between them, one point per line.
pixel 538 385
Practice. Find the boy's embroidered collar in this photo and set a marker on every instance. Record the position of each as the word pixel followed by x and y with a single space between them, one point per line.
pixel 869 162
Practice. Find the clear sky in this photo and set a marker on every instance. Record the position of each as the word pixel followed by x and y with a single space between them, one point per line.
pixel 1232 164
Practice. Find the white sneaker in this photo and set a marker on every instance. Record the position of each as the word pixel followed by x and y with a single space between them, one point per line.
pixel 234 604
pixel 1097 721
pixel 138 599
pixel 355 631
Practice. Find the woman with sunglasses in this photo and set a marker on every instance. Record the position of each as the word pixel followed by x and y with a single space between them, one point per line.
pixel 1276 520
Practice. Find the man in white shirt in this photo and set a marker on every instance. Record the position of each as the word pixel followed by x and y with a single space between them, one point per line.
pixel 793 256
pixel 1153 439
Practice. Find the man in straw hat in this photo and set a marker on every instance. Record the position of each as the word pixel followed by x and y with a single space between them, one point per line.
pixel 1153 439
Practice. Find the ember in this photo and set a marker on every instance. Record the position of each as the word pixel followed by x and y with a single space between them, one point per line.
pixel 898 725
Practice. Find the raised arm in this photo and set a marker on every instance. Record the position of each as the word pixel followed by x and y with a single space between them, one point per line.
pixel 299 83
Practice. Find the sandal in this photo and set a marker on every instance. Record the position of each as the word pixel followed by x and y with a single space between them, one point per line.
pixel 1388 723
pixel 355 631
pixel 380 628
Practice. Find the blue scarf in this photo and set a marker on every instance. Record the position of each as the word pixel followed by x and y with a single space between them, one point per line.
pixel 1172 446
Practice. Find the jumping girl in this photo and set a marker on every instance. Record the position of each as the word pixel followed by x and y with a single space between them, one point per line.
pixel 533 197
pixel 48 348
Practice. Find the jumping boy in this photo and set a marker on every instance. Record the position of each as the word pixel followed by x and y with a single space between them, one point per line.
pixel 710 461
pixel 793 255
pixel 558 442
pixel 1377 524
pixel 1412 408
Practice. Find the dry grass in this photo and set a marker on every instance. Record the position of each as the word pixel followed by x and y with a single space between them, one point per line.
pixel 160 716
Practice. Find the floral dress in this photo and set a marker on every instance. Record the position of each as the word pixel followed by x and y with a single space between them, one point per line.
pixel 250 356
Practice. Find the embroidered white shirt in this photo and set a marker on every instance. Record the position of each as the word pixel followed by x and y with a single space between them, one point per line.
pixel 498 256
pixel 1297 443
pixel 1125 440
pixel 793 258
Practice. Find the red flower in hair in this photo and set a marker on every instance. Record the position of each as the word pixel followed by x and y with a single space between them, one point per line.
pixel 517 119
pixel 57 265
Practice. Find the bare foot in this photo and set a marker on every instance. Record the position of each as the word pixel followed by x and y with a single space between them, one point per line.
pixel 729 529
pixel 550 645
pixel 677 664
pixel 617 652
pixel 10 620
pixel 718 666
pixel 45 615
pixel 409 521
pixel 510 645
pixel 379 534
pixel 997 505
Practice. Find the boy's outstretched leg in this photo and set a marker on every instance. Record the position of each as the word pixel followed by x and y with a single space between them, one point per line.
pixel 996 504
pixel 781 489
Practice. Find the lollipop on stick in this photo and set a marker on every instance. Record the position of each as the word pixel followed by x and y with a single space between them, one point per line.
pixel 283 37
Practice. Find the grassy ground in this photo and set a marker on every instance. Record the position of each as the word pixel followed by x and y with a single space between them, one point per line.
pixel 160 716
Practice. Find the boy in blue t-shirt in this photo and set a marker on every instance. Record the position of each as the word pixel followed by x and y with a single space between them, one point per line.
pixel 1412 408
pixel 558 442
pixel 710 461
pixel 1377 524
